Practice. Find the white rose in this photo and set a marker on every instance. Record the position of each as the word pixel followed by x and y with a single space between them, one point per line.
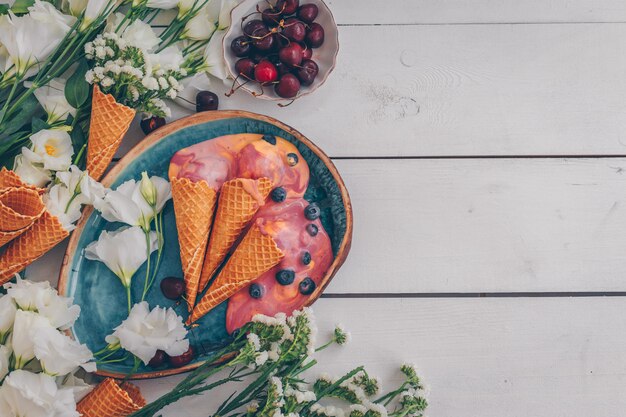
pixel 60 355
pixel 144 332
pixel 29 172
pixel 7 316
pixel 123 251
pixel 24 394
pixel 54 149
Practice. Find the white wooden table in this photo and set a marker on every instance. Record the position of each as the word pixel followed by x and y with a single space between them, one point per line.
pixel 484 146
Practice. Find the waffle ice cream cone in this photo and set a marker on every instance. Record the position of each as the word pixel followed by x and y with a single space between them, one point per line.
pixel 239 200
pixel 257 253
pixel 19 209
pixel 109 399
pixel 109 123
pixel 10 179
pixel 194 204
pixel 42 236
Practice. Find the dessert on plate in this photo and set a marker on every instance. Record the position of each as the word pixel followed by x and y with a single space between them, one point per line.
pixel 246 233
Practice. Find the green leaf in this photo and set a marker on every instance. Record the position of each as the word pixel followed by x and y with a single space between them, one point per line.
pixel 38 124
pixel 4 8
pixel 21 6
pixel 78 138
pixel 29 109
pixel 77 88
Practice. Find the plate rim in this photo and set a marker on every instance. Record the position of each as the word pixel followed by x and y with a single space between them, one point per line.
pixel 156 136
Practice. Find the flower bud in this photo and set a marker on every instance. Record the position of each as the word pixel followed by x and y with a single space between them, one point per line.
pixel 148 189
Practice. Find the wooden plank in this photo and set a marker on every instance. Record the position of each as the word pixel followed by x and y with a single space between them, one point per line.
pixel 495 225
pixel 350 12
pixel 479 357
pixel 465 90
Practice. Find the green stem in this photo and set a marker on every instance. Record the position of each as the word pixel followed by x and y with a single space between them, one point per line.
pixel 149 255
pixel 128 296
pixel 11 94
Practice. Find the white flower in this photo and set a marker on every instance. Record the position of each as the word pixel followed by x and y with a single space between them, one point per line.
pixel 5 357
pixel 78 387
pixel 122 251
pixel 200 27
pixel 53 149
pixel 184 6
pixel 144 332
pixel 31 38
pixel 127 205
pixel 141 35
pixel 79 182
pixel 341 336
pixel 30 171
pixel 260 358
pixel 7 316
pixel 25 394
pixel 42 298
pixel 254 339
pixel 224 16
pixel 63 204
pixel 26 325
pixel 160 4
pixel 60 355
pixel 168 58
pixel 92 8
pixel 52 99
pixel 213 57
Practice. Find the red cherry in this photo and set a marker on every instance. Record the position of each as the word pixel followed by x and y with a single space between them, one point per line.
pixel 287 6
pixel 265 72
pixel 308 12
pixel 307 72
pixel 263 40
pixel 182 360
pixel 307 53
pixel 151 124
pixel 252 26
pixel 245 67
pixel 172 287
pixel 294 29
pixel 288 86
pixel 291 55
pixel 158 359
pixel 315 35
pixel 270 16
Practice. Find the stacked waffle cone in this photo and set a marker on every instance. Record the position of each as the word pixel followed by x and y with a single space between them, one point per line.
pixel 109 123
pixel 27 229
pixel 239 200
pixel 109 399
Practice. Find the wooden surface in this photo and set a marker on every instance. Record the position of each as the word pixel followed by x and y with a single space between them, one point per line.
pixel 484 147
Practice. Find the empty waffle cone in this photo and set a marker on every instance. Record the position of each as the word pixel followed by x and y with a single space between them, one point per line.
pixel 42 236
pixel 256 254
pixel 109 399
pixel 19 209
pixel 10 179
pixel 109 122
pixel 194 204
pixel 239 200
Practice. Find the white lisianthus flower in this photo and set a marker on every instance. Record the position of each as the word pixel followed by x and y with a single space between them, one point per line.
pixel 25 394
pixel 64 205
pixel 223 21
pixel 30 171
pixel 80 183
pixel 52 99
pixel 7 316
pixel 169 58
pixel 78 387
pixel 93 9
pixel 123 251
pixel 213 57
pixel 5 358
pixel 42 298
pixel 27 323
pixel 53 149
pixel 127 205
pixel 60 355
pixel 144 332
pixel 141 35
pixel 156 4
pixel 184 6
pixel 200 27
pixel 31 38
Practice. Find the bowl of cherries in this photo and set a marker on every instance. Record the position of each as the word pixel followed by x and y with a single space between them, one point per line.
pixel 280 49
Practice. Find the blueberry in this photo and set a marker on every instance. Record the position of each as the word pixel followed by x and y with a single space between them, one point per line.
pixel 285 276
pixel 306 258
pixel 256 291
pixel 307 286
pixel 271 139
pixel 312 229
pixel 312 211
pixel 278 194
pixel 292 159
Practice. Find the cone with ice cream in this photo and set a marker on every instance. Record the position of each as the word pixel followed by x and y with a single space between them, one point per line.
pixel 194 204
pixel 110 121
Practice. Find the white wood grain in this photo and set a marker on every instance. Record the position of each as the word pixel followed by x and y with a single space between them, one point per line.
pixel 481 357
pixel 465 90
pixel 350 12
pixel 480 225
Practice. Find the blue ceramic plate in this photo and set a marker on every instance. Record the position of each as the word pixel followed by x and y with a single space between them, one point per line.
pixel 100 294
